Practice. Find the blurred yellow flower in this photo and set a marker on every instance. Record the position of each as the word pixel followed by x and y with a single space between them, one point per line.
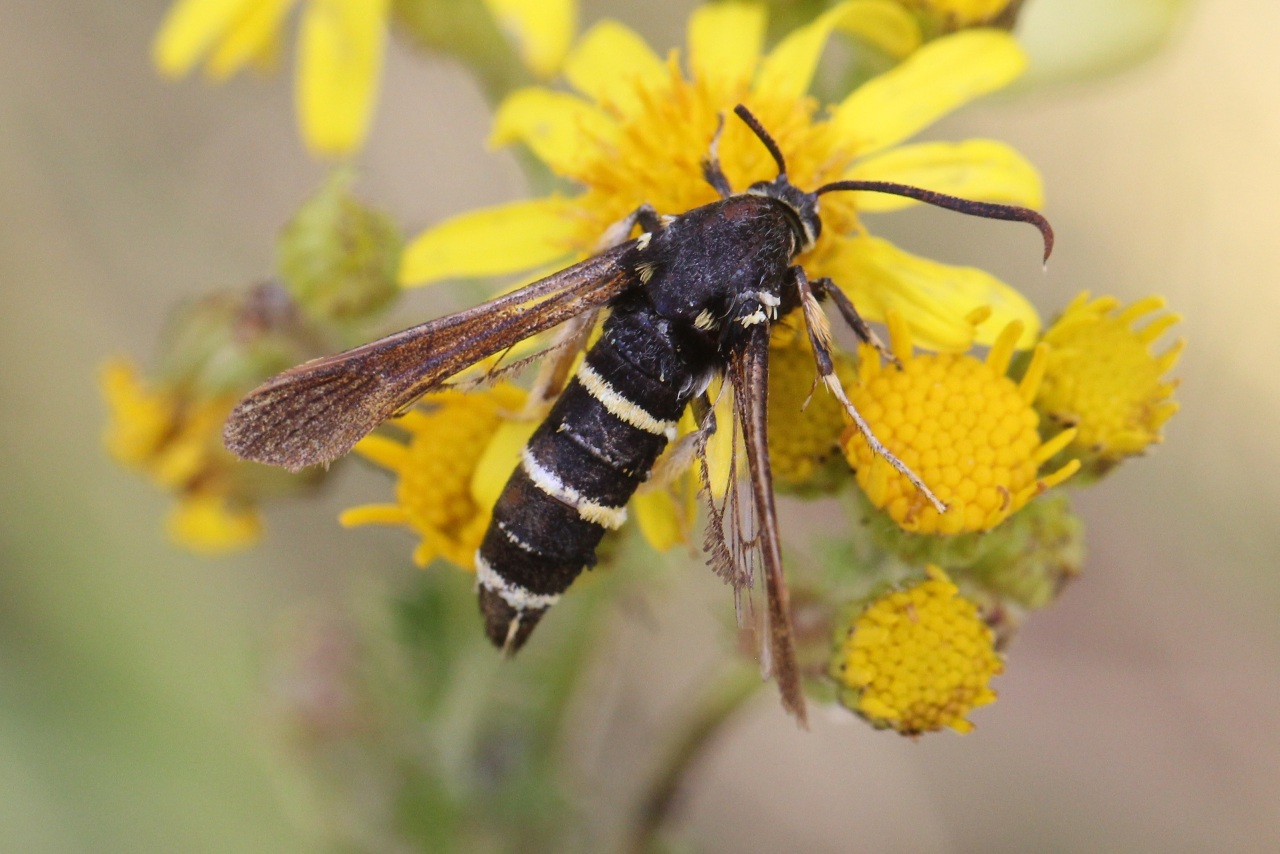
pixel 1103 378
pixel 340 52
pixel 956 14
pixel 918 659
pixel 176 441
pixel 637 127
pixel 962 425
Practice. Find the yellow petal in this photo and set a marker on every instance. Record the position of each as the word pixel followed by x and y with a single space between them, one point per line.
pixel 388 453
pixel 252 37
pixel 934 299
pixel 656 513
pixel 721 462
pixel 606 64
pixel 340 49
pixel 563 130
pixel 788 69
pixel 930 83
pixel 189 29
pixel 884 24
pixel 979 169
pixel 207 524
pixel 503 239
pixel 724 45
pixel 499 460
pixel 541 30
pixel 373 514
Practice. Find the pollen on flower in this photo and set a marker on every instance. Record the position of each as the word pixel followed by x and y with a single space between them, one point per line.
pixel 918 659
pixel 959 423
pixel 1102 377
pixel 435 466
pixel 805 422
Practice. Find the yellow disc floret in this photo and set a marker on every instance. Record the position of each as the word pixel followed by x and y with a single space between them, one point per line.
pixel 960 424
pixel 805 422
pixel 917 660
pixel 1102 377
pixel 435 468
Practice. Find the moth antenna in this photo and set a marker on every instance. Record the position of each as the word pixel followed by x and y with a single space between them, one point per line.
pixel 754 123
pixel 988 210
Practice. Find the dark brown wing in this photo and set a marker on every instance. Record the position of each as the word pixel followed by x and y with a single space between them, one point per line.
pixel 737 555
pixel 316 412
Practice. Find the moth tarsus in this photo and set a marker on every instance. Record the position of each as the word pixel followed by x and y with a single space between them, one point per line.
pixel 693 297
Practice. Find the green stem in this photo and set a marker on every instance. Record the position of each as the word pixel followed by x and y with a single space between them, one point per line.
pixel 727 695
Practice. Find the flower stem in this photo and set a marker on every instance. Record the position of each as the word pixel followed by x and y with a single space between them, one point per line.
pixel 727 695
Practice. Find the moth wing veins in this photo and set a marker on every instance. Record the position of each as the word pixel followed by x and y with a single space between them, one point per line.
pixel 742 531
pixel 316 412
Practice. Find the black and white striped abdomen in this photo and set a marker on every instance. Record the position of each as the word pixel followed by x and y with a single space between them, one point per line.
pixel 578 471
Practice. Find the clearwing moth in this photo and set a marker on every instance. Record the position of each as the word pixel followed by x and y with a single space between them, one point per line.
pixel 693 297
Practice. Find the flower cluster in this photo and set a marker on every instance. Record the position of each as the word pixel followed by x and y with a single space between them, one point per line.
pixel 971 395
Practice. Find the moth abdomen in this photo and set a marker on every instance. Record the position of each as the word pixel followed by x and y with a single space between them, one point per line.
pixel 579 470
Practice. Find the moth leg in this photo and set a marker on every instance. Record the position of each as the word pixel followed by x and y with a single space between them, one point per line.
pixel 820 338
pixel 825 287
pixel 620 232
pixel 711 170
pixel 680 455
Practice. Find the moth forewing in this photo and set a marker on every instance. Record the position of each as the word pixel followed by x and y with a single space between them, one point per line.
pixel 316 412
pixel 749 373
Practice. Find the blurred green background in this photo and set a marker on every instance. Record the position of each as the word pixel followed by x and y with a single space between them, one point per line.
pixel 1139 714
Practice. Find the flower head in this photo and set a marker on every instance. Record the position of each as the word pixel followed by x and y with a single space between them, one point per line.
pixel 449 470
pixel 805 422
pixel 340 49
pixel 962 425
pixel 1102 377
pixel 636 129
pixel 918 659
pixel 175 439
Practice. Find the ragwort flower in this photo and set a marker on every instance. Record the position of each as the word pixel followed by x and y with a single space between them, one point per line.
pixel 962 425
pixel 637 127
pixel 340 51
pixel 341 44
pixel 449 470
pixel 918 659
pixel 1103 378
pixel 176 441
pixel 805 423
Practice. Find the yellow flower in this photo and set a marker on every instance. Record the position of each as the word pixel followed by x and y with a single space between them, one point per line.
pixel 212 524
pixel 450 469
pixel 637 127
pixel 1102 377
pixel 805 422
pixel 960 424
pixel 176 441
pixel 340 52
pixel 917 660
pixel 957 14
pixel 341 45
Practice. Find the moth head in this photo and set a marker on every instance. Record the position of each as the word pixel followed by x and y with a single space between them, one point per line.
pixel 803 205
